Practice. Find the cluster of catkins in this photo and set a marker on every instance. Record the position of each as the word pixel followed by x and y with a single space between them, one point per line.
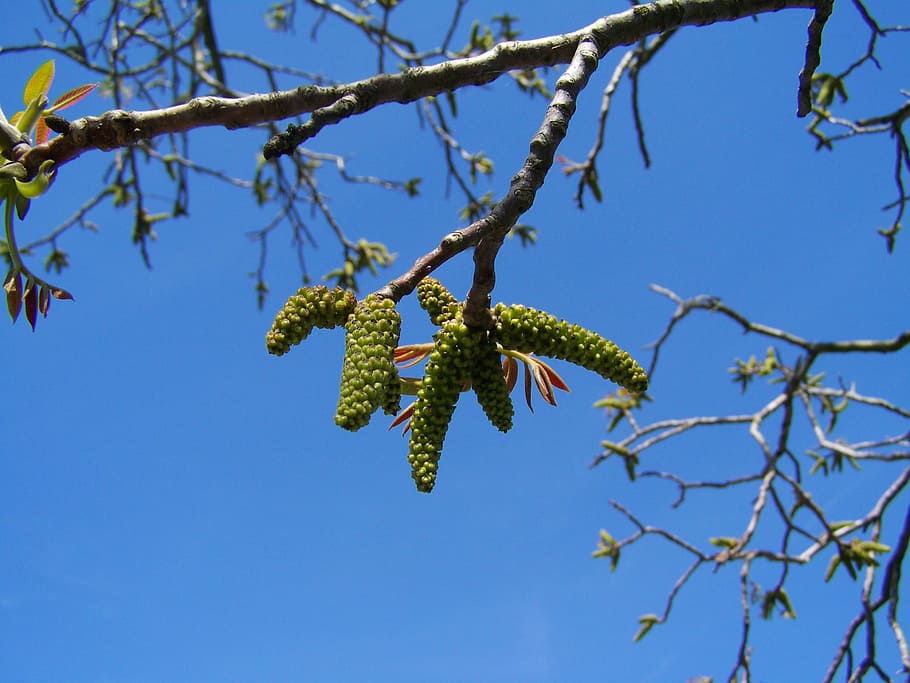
pixel 462 357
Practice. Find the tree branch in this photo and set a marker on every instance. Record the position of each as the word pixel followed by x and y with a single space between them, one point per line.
pixel 119 128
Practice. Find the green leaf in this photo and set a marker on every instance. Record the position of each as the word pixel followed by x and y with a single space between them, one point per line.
pixel 784 600
pixel 647 622
pixel 411 187
pixel 832 567
pixel 39 184
pixel 724 541
pixel 607 547
pixel 39 82
pixel 779 596
pixel 57 260
pixel 591 181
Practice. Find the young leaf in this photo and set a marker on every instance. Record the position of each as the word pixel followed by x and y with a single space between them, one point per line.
pixel 39 83
pixel 832 567
pixel 22 204
pixel 647 622
pixel 70 97
pixel 767 604
pixel 528 387
pixel 402 416
pixel 41 132
pixel 31 303
pixel 410 355
pixel 13 286
pixel 44 300
pixel 724 541
pixel 543 383
pixel 554 378
pixel 784 600
pixel 510 370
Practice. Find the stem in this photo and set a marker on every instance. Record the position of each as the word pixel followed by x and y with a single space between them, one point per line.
pixel 10 234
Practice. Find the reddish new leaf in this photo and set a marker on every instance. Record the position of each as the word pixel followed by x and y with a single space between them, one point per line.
pixel 528 387
pixel 31 303
pixel 554 378
pixel 41 132
pixel 44 300
pixel 510 371
pixel 61 294
pixel 411 355
pixel 39 82
pixel 70 97
pixel 13 286
pixel 402 416
pixel 543 383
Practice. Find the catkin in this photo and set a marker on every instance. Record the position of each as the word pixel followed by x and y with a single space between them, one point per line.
pixel 439 303
pixel 529 330
pixel 310 307
pixel 448 366
pixel 489 386
pixel 369 378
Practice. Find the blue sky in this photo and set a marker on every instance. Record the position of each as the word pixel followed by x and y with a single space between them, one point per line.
pixel 179 506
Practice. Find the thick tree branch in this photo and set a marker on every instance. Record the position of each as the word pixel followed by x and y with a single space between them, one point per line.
pixel 120 128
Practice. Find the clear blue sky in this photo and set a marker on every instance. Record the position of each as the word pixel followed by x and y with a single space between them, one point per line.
pixel 176 505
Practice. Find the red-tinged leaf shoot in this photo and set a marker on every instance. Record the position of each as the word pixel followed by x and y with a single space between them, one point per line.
pixel 39 82
pixel 70 97
pixel 13 286
pixel 29 286
pixel 510 371
pixel 44 300
pixel 412 352
pixel 411 357
pixel 61 294
pixel 402 416
pixel 528 387
pixel 554 378
pixel 41 132
pixel 543 383
pixel 31 305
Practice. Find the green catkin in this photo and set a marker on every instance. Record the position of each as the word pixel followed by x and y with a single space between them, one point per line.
pixel 439 303
pixel 369 378
pixel 391 404
pixel 310 307
pixel 527 330
pixel 489 386
pixel 448 366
